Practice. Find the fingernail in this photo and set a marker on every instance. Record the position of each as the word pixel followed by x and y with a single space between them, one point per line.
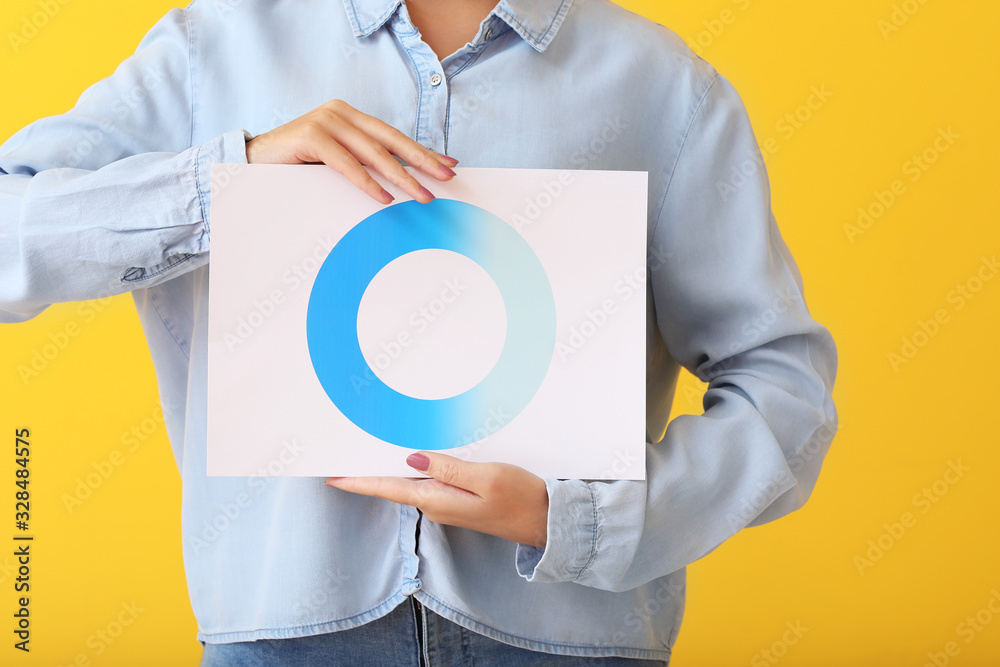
pixel 386 197
pixel 425 192
pixel 446 170
pixel 450 159
pixel 418 461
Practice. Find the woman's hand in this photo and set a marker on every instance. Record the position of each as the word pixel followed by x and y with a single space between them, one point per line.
pixel 496 498
pixel 344 139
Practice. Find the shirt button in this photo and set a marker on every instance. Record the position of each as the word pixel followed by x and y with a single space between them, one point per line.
pixel 435 79
pixel 489 34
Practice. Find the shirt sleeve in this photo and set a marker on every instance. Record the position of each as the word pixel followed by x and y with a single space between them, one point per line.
pixel 729 307
pixel 110 196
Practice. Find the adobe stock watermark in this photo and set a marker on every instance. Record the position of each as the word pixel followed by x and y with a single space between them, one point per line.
pixel 715 27
pixel 597 318
pixel 967 630
pixel 622 463
pixel 102 470
pixel 899 16
pixel 778 649
pixel 593 320
pixel 692 395
pixel 550 190
pixel 89 140
pixel 228 513
pixel 105 636
pixel 419 322
pixel 923 502
pixel 787 126
pixel 756 328
pixel 222 176
pixel 43 356
pixel 535 205
pixel 7 570
pixel 957 298
pixel 32 24
pixel 767 490
pixel 463 106
pixel 667 596
pixel 914 167
pixel 496 418
pixel 226 7
pixel 264 308
pixel 610 133
pixel 325 591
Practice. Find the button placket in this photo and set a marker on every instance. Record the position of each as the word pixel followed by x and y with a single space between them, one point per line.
pixel 432 96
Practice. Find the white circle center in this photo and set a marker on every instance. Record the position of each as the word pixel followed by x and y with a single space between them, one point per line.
pixel 432 324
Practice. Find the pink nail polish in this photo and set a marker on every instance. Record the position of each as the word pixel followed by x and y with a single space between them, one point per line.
pixel 425 192
pixel 450 159
pixel 387 198
pixel 446 170
pixel 418 461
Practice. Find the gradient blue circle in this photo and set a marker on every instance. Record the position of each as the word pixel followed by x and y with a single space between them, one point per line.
pixel 332 317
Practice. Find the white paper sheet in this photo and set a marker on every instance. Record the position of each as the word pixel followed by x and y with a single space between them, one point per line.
pixel 503 322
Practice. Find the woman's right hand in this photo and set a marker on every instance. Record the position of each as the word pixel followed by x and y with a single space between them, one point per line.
pixel 344 139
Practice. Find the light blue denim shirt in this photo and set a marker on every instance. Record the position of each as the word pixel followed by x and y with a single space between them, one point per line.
pixel 113 196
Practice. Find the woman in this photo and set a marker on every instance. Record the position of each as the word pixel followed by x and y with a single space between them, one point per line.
pixel 484 562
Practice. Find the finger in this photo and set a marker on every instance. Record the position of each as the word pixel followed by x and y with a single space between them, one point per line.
pixel 450 161
pixel 340 122
pixel 431 163
pixel 369 151
pixel 404 490
pixel 472 477
pixel 338 158
pixel 396 489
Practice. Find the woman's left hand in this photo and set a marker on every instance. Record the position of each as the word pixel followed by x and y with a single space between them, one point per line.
pixel 496 498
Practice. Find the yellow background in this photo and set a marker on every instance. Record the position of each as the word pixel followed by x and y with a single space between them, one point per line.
pixel 900 427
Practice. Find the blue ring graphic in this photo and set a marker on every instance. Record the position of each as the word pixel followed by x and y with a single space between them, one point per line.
pixel 332 316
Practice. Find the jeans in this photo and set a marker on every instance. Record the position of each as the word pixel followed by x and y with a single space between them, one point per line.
pixel 409 636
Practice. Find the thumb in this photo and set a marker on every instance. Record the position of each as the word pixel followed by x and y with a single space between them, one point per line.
pixel 444 468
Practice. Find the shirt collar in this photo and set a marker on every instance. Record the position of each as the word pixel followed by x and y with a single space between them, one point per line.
pixel 536 21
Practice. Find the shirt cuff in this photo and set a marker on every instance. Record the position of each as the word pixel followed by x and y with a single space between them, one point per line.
pixel 228 148
pixel 571 541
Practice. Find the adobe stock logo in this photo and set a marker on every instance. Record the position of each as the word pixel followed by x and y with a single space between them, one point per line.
pixel 332 317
